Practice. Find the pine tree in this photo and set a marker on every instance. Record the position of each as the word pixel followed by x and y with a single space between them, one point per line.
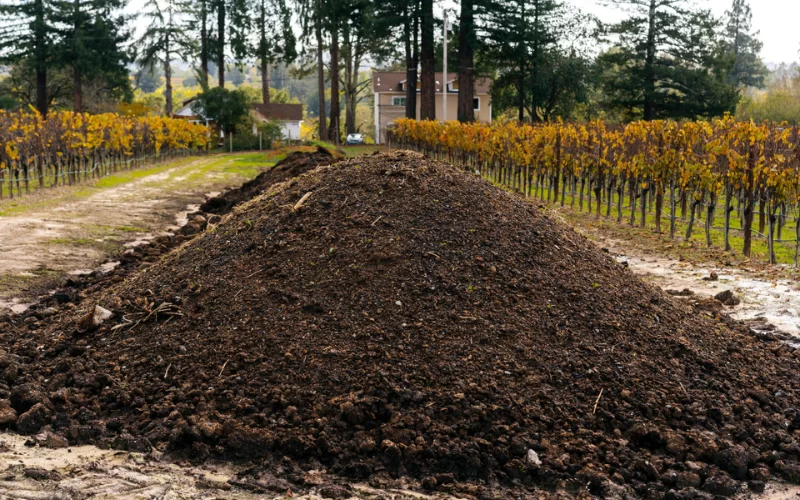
pixel 27 33
pixel 744 45
pixel 163 41
pixel 526 39
pixel 92 39
pixel 668 62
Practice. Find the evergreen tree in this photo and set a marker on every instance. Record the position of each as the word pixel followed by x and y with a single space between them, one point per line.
pixel 744 45
pixel 668 62
pixel 538 49
pixel 28 33
pixel 92 39
pixel 163 41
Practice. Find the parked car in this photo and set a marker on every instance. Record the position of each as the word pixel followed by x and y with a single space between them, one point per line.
pixel 354 139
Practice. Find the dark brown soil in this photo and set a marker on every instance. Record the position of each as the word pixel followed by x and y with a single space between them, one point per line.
pixel 410 319
pixel 294 164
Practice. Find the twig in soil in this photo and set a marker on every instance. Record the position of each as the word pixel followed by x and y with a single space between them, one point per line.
pixel 376 220
pixel 223 368
pixel 167 372
pixel 253 274
pixel 299 204
pixel 597 401
pixel 684 389
pixel 431 253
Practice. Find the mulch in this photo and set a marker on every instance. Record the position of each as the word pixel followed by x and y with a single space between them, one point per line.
pixel 406 319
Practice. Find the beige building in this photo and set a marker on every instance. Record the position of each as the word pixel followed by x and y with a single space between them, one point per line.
pixel 389 88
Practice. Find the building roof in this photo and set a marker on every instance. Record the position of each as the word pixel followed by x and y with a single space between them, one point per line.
pixel 389 81
pixel 285 112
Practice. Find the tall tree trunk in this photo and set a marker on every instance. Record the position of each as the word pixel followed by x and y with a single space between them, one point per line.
pixel 40 57
pixel 204 44
pixel 466 76
pixel 352 60
pixel 428 78
pixel 264 80
pixel 41 92
pixel 77 89
pixel 262 49
pixel 411 68
pixel 323 125
pixel 535 62
pixel 221 43
pixel 336 111
pixel 649 66
pixel 522 57
pixel 411 61
pixel 167 78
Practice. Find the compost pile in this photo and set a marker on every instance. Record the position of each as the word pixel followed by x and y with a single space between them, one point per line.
pixel 392 315
pixel 295 163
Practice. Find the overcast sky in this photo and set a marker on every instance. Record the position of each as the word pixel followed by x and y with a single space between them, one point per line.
pixel 777 20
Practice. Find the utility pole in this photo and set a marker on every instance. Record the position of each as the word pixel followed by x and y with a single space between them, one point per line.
pixel 444 68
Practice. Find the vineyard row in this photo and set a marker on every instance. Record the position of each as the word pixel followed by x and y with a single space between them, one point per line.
pixel 722 170
pixel 66 148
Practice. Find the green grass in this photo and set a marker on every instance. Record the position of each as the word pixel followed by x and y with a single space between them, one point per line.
pixel 82 242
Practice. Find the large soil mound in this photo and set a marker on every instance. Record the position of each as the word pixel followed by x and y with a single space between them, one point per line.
pixel 390 313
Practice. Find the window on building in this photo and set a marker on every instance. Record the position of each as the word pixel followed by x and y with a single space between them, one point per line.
pixel 476 103
pixel 398 101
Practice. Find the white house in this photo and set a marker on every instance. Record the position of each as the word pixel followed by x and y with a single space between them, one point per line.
pixel 289 115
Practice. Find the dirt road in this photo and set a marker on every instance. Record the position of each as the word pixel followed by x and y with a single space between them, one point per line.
pixel 74 229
